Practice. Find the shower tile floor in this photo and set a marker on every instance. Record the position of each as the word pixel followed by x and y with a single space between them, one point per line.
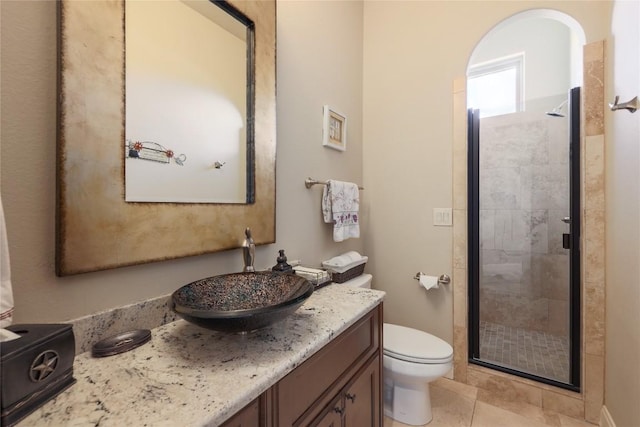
pixel 535 352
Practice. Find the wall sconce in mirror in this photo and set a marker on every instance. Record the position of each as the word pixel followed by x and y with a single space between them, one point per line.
pixel 117 111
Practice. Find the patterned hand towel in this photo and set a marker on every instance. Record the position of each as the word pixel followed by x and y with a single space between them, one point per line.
pixel 340 205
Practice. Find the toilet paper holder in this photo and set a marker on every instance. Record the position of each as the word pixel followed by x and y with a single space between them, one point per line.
pixel 443 279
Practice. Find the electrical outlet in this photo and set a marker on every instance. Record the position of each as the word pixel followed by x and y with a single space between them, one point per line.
pixel 443 217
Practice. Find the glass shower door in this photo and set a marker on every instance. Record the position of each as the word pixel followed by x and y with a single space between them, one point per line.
pixel 524 243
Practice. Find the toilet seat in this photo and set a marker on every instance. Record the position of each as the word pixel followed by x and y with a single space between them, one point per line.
pixel 412 345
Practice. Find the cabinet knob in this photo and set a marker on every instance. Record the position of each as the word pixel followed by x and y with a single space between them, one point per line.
pixel 339 410
pixel 351 397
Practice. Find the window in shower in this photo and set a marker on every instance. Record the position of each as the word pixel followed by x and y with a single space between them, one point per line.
pixel 524 207
pixel 496 87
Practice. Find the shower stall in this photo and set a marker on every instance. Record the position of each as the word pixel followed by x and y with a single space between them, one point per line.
pixel 524 234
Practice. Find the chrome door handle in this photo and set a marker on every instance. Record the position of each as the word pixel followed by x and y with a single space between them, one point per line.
pixel 566 220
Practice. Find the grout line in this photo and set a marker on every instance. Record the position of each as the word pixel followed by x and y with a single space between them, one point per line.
pixel 473 411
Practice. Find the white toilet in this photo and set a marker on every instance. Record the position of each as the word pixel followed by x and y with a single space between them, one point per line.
pixel 411 360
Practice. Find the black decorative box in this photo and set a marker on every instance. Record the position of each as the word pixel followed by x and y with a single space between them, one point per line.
pixel 34 368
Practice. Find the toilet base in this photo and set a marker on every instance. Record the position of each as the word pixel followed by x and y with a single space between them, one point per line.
pixel 409 406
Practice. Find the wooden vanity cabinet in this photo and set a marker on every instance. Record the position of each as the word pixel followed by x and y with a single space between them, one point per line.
pixel 331 416
pixel 255 414
pixel 358 403
pixel 339 386
pixel 363 402
pixel 312 390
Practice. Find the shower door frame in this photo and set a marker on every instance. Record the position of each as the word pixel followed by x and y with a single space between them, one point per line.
pixel 473 177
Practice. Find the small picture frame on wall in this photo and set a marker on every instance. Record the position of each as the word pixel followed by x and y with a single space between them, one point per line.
pixel 334 130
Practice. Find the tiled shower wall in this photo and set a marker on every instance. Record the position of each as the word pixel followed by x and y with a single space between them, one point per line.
pixel 524 194
pixel 588 403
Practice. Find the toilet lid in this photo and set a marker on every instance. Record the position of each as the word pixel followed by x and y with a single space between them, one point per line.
pixel 415 346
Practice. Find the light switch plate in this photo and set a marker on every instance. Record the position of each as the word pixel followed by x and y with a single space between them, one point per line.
pixel 443 217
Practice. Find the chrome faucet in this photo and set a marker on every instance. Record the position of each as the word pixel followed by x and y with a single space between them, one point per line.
pixel 248 251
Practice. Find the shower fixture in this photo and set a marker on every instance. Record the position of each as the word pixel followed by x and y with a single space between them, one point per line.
pixel 557 112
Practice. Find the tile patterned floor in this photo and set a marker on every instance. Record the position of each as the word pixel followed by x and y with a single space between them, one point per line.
pixel 455 404
pixel 534 352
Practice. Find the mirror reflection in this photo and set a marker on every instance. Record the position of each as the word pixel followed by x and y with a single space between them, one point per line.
pixel 187 135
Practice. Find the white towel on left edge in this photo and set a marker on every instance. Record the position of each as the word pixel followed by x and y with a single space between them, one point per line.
pixel 6 293
pixel 340 206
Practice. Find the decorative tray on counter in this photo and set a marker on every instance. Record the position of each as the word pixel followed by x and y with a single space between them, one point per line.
pixel 316 276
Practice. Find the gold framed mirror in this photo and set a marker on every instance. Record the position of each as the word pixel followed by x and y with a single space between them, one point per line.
pixel 96 228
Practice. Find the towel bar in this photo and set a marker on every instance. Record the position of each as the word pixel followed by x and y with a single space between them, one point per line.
pixel 310 182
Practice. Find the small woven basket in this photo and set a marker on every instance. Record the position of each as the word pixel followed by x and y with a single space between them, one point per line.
pixel 348 275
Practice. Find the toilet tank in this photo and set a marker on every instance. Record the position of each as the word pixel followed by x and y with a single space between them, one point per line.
pixel 362 281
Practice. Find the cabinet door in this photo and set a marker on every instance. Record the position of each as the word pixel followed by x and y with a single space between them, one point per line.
pixel 306 391
pixel 332 419
pixel 249 416
pixel 362 397
pixel 332 415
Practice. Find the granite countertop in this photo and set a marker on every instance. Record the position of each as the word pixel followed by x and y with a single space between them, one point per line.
pixel 190 376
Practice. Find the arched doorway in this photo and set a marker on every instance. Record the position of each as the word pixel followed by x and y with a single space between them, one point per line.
pixel 523 95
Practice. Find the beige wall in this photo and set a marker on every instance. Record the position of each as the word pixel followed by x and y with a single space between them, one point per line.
pixel 315 67
pixel 622 379
pixel 412 53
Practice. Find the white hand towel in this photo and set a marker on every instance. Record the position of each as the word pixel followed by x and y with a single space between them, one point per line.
pixel 6 293
pixel 340 206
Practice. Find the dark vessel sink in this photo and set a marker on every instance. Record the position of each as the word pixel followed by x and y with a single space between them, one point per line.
pixel 241 302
